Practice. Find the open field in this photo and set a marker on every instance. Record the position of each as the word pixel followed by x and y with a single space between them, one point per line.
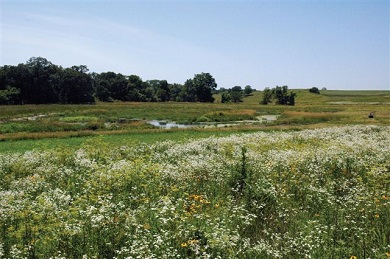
pixel 320 193
pixel 85 121
pixel 115 140
pixel 247 181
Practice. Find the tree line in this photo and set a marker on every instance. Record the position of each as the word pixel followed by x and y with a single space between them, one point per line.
pixel 38 81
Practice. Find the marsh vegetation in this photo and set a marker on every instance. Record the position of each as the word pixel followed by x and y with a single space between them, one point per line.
pixel 98 181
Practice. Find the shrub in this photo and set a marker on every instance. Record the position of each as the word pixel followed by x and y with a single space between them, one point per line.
pixel 314 90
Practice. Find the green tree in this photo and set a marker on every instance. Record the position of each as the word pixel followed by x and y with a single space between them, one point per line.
pixel 160 89
pixel 314 90
pixel 136 89
pixel 9 95
pixel 188 92
pixel 119 88
pixel 248 90
pixel 280 94
pixel 291 99
pixel 36 81
pixel 76 86
pixel 103 82
pixel 174 90
pixel 163 91
pixel 225 98
pixel 236 94
pixel 267 96
pixel 42 86
pixel 202 87
pixel 102 91
pixel 111 86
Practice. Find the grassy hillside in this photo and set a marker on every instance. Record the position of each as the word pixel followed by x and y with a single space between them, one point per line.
pixel 355 93
pixel 375 97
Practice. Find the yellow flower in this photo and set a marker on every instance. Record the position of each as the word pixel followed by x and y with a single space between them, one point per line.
pixel 193 207
pixel 189 242
pixel 195 197
pixel 216 205
pixel 146 226
pixel 204 201
pixel 193 241
pixel 353 257
pixel 376 215
pixel 387 254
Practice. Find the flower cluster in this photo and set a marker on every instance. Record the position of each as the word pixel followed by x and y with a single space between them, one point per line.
pixel 321 193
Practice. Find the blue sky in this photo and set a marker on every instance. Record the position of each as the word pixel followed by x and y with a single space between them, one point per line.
pixel 337 44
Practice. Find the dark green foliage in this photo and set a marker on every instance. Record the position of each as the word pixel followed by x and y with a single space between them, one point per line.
pixel 174 90
pixel 234 95
pixel 225 98
pixel 248 90
pixel 280 94
pixel 110 86
pixel 75 86
pixel 314 90
pixel 243 174
pixel 158 91
pixel 9 95
pixel 200 88
pixel 267 96
pixel 291 99
pixel 41 82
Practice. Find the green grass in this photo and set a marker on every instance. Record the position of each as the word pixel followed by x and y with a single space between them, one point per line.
pixel 355 93
pixel 320 193
pixel 79 119
pixel 358 96
pixel 114 140
pixel 99 182
pixel 311 110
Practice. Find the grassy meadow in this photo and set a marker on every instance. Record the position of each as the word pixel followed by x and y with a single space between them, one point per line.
pixel 321 193
pixel 98 181
pixel 32 122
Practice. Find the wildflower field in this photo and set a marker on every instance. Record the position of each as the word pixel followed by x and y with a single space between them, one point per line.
pixel 320 193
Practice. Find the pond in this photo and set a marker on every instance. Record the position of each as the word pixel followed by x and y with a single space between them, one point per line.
pixel 168 125
pixel 171 124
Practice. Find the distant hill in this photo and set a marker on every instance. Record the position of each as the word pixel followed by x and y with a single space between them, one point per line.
pixel 304 97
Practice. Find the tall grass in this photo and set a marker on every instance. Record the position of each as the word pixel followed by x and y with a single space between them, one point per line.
pixel 327 108
pixel 320 193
